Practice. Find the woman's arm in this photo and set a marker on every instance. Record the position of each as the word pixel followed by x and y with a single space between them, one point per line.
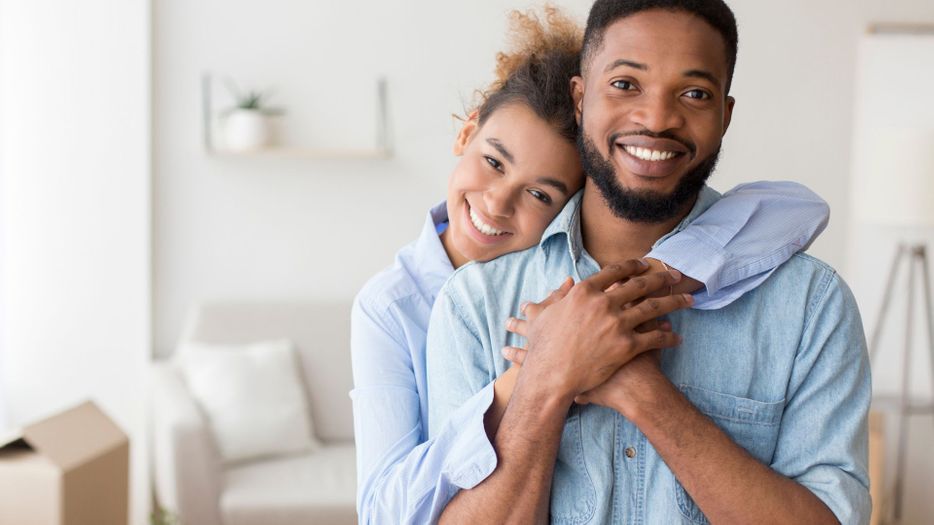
pixel 401 477
pixel 734 245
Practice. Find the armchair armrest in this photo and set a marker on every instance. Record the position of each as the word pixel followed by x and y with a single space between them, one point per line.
pixel 187 467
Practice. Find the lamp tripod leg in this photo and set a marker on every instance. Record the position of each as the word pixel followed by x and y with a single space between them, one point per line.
pixel 886 302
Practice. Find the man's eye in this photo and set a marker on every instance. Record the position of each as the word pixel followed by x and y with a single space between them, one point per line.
pixel 497 165
pixel 625 85
pixel 541 195
pixel 698 94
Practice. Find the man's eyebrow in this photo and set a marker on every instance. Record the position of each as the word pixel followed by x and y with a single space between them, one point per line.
pixel 501 149
pixel 560 186
pixel 700 73
pixel 623 62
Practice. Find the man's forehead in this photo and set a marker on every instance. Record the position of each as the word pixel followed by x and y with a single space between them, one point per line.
pixel 662 38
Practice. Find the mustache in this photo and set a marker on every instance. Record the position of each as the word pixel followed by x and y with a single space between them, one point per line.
pixel 651 134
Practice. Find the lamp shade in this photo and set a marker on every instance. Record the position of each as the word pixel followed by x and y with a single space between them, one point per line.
pixel 895 177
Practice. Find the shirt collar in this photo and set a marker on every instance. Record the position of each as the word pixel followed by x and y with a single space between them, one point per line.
pixel 568 221
pixel 705 199
pixel 434 266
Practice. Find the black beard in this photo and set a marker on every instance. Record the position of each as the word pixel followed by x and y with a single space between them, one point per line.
pixel 641 205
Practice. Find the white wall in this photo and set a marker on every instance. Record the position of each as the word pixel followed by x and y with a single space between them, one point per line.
pixel 75 196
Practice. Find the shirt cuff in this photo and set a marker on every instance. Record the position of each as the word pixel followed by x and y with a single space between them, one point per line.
pixel 694 257
pixel 472 457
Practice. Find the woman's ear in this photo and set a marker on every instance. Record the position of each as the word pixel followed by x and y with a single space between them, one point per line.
pixel 466 133
pixel 577 95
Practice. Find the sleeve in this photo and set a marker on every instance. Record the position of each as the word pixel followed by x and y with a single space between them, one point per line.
pixel 823 440
pixel 402 478
pixel 736 244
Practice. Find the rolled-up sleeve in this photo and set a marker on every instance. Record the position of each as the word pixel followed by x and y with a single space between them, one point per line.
pixel 737 243
pixel 823 443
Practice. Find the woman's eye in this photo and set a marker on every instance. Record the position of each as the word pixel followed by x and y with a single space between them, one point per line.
pixel 540 195
pixel 698 94
pixel 497 165
pixel 624 85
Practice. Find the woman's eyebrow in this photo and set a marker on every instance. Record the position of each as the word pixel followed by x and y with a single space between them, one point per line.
pixel 560 186
pixel 501 149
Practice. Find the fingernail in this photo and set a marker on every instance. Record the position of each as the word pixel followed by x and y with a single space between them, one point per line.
pixel 644 263
pixel 507 352
pixel 675 275
pixel 510 322
pixel 689 298
pixel 523 306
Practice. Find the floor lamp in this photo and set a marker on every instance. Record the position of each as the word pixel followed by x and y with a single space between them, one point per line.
pixel 901 193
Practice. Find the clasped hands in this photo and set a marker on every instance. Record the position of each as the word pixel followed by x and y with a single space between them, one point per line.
pixel 596 341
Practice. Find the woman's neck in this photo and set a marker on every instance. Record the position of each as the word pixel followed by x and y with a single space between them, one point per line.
pixel 456 257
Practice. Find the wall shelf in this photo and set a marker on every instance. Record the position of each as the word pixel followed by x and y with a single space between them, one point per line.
pixel 380 151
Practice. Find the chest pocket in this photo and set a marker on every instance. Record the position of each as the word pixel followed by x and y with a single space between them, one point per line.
pixel 752 424
pixel 571 478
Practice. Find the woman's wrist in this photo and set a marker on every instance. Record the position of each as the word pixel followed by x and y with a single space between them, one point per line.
pixel 686 285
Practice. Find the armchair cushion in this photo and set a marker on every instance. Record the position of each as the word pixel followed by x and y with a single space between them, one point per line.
pixel 252 395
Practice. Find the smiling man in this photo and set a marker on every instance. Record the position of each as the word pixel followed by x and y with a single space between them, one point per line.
pixel 759 416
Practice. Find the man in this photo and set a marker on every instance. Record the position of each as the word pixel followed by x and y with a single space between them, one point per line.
pixel 758 416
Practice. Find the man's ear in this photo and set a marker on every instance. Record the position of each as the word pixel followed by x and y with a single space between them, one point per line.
pixel 728 113
pixel 577 95
pixel 466 133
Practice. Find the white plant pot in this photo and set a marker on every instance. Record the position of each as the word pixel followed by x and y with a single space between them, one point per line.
pixel 246 130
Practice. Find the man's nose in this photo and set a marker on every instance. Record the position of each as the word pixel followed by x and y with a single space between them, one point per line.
pixel 658 113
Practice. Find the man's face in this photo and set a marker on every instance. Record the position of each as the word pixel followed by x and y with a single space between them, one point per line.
pixel 653 111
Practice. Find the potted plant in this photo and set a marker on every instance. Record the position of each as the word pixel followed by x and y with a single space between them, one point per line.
pixel 246 125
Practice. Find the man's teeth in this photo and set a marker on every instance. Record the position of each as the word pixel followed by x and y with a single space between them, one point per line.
pixel 484 228
pixel 649 154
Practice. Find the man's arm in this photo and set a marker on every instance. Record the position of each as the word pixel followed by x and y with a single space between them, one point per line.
pixel 815 477
pixel 726 482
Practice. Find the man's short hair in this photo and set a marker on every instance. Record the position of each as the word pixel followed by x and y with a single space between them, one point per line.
pixel 714 12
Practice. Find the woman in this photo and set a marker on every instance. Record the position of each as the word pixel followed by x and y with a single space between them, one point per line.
pixel 518 167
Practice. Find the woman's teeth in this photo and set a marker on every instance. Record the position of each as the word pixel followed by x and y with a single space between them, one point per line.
pixel 484 228
pixel 649 154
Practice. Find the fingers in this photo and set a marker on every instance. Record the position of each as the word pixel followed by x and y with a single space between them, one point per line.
pixel 514 354
pixel 615 272
pixel 517 326
pixel 643 285
pixel 656 340
pixel 655 307
pixel 531 310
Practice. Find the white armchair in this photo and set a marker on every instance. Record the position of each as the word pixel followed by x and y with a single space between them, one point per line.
pixel 317 487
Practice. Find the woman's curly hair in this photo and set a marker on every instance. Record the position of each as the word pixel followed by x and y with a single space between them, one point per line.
pixel 536 71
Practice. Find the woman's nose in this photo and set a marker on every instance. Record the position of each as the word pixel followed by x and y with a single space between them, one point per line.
pixel 499 200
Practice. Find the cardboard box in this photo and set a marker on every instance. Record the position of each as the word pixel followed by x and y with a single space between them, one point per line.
pixel 68 469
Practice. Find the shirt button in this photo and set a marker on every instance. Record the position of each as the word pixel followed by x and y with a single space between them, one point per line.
pixel 630 452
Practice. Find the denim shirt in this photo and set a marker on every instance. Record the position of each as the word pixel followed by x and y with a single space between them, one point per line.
pixel 783 370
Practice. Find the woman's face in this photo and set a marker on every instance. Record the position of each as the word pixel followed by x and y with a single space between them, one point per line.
pixel 514 176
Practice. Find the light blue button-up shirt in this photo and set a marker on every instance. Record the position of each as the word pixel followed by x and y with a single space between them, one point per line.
pixel 404 477
pixel 783 370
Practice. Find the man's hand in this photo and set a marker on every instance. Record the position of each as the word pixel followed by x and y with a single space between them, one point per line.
pixel 630 386
pixel 582 336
